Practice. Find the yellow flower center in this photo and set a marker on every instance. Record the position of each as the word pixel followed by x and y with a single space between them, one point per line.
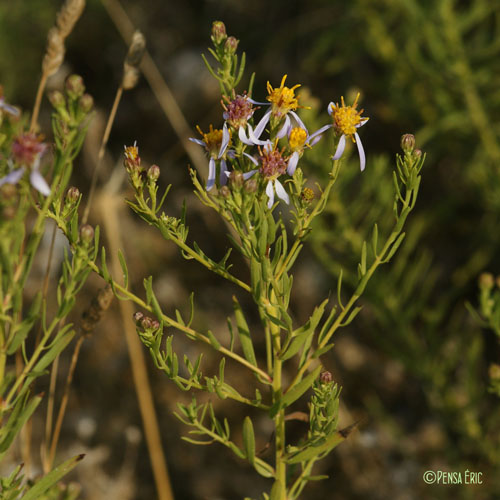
pixel 282 98
pixel 347 117
pixel 297 139
pixel 132 153
pixel 212 140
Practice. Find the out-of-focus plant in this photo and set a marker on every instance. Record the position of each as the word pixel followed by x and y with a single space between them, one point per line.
pixel 252 163
pixel 27 202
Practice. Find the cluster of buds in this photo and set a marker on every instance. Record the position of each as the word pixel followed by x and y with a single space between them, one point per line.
pixel 224 45
pixel 148 328
pixel 71 202
pixel 74 104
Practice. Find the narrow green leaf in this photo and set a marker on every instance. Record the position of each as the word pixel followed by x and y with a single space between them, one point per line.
pixel 394 247
pixel 295 392
pixel 375 240
pixel 263 468
pixel 123 265
pixel 244 333
pixel 213 341
pixel 249 440
pixel 51 478
pixel 363 259
pixel 313 451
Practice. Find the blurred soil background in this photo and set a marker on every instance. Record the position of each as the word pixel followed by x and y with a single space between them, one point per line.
pixel 414 363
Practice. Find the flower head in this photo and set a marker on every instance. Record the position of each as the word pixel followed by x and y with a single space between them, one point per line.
pixel 238 111
pixel 282 99
pixel 216 143
pixel 272 165
pixel 27 150
pixel 346 121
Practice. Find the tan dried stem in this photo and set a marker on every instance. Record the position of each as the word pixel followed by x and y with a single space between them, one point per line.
pixel 54 53
pixel 109 208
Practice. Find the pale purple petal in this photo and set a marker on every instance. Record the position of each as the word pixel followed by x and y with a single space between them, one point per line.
pixel 254 138
pixel 361 123
pixel 280 191
pixel 262 124
pixel 38 182
pixel 10 109
pixel 340 148
pixel 13 177
pixel 270 194
pixel 361 151
pixel 292 163
pixel 316 136
pixel 225 140
pixel 243 137
pixel 251 158
pixel 224 173
pixel 197 141
pixel 256 102
pixel 284 130
pixel 211 174
pixel 330 108
pixel 299 121
pixel 249 174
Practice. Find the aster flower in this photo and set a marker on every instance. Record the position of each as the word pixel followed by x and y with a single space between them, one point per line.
pixel 272 165
pixel 215 142
pixel 298 140
pixel 27 150
pixel 282 102
pixel 346 120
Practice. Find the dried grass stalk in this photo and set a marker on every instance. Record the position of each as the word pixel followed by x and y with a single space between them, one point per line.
pixel 132 61
pixel 54 54
pixel 68 16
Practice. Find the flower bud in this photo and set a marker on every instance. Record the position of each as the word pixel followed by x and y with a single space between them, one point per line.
pixel 86 103
pixel 75 86
pixel 218 32
pixel 307 195
pixel 146 322
pixel 155 324
pixel 417 153
pixel 86 234
pixel 325 377
pixel 153 173
pixel 224 192
pixel 57 99
pixel 236 179
pixel 73 195
pixel 231 45
pixel 138 317
pixel 494 372
pixel 408 143
pixel 251 185
pixel 486 281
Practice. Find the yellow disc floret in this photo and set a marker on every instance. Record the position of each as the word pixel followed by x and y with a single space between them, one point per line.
pixel 347 118
pixel 212 140
pixel 298 137
pixel 132 152
pixel 282 98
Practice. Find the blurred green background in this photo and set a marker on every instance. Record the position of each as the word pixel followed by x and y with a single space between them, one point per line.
pixel 414 364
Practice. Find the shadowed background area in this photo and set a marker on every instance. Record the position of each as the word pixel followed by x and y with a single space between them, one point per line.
pixel 414 363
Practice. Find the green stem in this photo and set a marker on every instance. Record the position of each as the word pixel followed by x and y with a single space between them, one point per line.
pixel 183 328
pixel 318 208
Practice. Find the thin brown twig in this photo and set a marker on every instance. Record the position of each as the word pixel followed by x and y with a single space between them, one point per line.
pixel 159 87
pixel 38 101
pixel 109 209
pixel 102 150
pixel 64 402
